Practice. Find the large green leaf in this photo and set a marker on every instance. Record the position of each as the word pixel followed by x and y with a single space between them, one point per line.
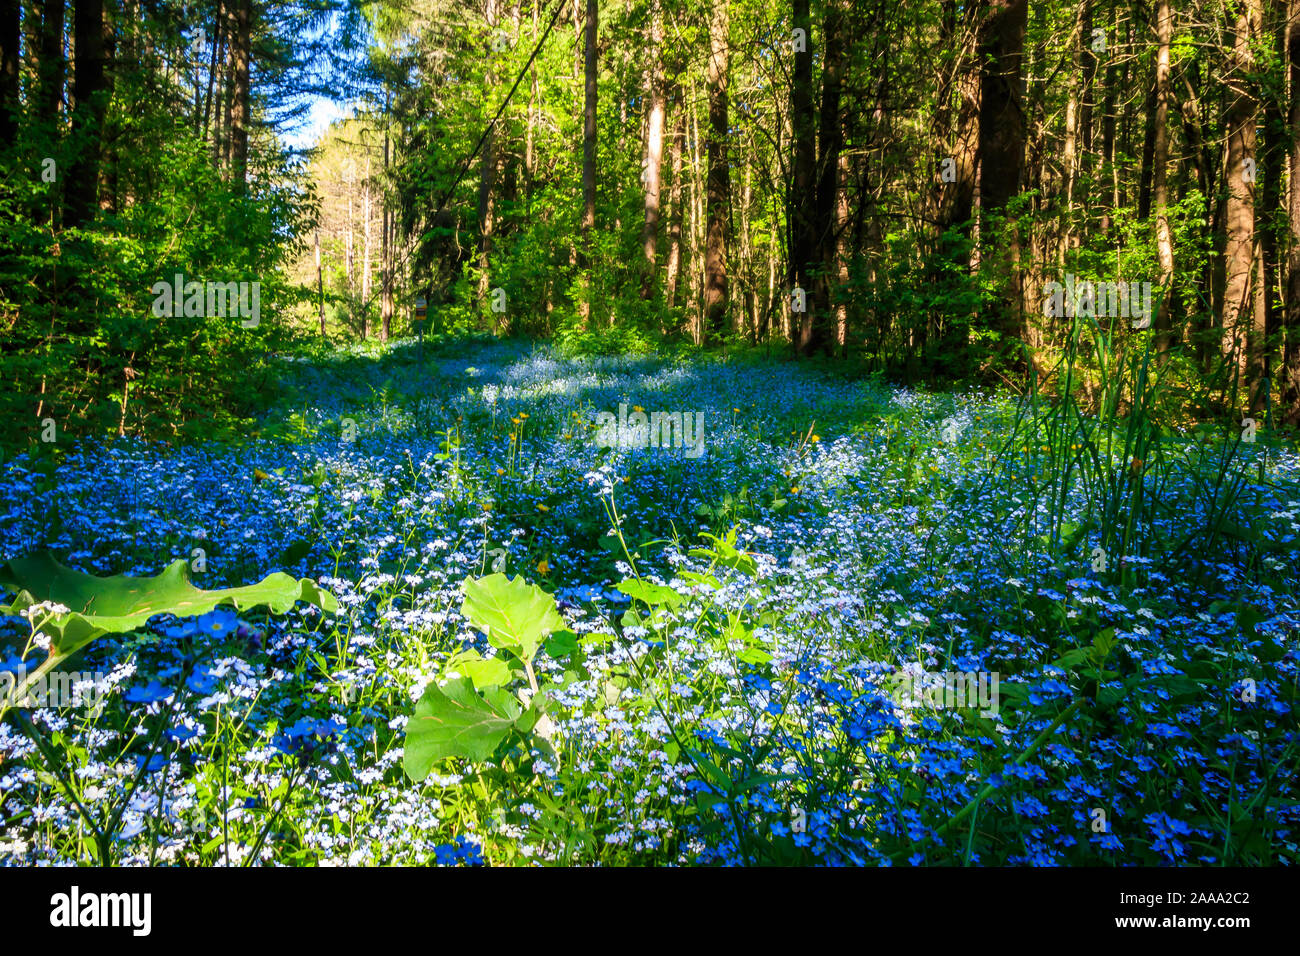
pixel 454 721
pixel 516 616
pixel 113 605
pixel 650 593
pixel 489 672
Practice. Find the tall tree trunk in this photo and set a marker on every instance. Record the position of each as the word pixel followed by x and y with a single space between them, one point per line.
pixel 803 238
pixel 1002 145
pixel 1073 120
pixel 654 152
pixel 320 285
pixel 830 142
pixel 1290 372
pixel 350 258
pixel 672 268
pixel 365 256
pixel 1272 162
pixel 53 67
pixel 957 207
pixel 534 95
pixel 588 155
pixel 717 233
pixel 1159 175
pixel 839 265
pixel 487 168
pixel 385 249
pixel 241 41
pixel 1241 284
pixel 90 91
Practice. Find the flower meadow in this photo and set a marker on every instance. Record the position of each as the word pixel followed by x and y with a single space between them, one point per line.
pixel 511 643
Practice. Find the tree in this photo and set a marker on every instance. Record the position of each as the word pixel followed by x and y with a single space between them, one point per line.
pixel 801 198
pixel 241 38
pixel 1290 371
pixel 1241 304
pixel 718 190
pixel 1001 151
pixel 1160 172
pixel 588 148
pixel 654 149
pixel 90 91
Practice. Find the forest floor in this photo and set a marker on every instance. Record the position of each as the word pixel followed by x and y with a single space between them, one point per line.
pixel 759 630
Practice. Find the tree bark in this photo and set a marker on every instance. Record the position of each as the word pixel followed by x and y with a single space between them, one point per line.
pixel 718 190
pixel 825 318
pixel 1290 372
pixel 1159 174
pixel 365 256
pixel 1272 160
pixel 1002 144
pixel 53 67
pixel 654 152
pixel 803 238
pixel 90 90
pixel 672 268
pixel 1241 285
pixel 588 154
pixel 487 168
pixel 241 40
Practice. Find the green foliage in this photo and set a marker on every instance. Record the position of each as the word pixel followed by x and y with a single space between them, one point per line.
pixel 114 605
pixel 474 716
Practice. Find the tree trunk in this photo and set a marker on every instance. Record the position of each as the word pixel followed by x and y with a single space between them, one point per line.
pixel 958 203
pixel 654 152
pixel 320 285
pixel 90 90
pixel 1290 372
pixel 1073 118
pixel 1002 144
pixel 718 190
pixel 385 246
pixel 1272 161
pixel 53 66
pixel 1240 285
pixel 588 155
pixel 365 257
pixel 1159 175
pixel 241 39
pixel 803 239
pixel 829 180
pixel 672 268
pixel 487 170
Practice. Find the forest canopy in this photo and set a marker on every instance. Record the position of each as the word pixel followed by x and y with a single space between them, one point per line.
pixel 940 191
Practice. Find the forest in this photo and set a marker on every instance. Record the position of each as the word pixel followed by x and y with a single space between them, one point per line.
pixel 649 432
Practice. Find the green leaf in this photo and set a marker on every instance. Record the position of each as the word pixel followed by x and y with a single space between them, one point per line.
pixel 562 644
pixel 484 672
pixel 454 721
pixel 516 616
pixel 651 594
pixel 121 603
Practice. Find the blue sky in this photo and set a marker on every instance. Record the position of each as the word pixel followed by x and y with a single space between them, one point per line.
pixel 322 112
